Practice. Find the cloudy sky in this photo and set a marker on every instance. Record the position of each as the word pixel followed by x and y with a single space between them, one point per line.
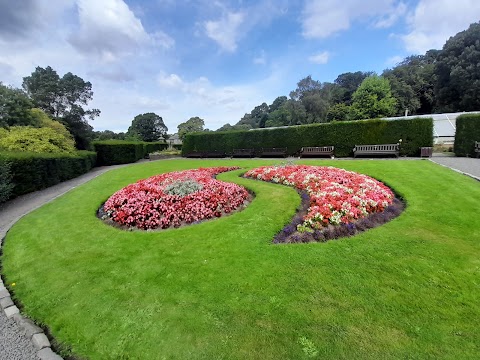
pixel 214 59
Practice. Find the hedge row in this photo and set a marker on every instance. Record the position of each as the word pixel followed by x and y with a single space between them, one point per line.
pixel 113 152
pixel 33 171
pixel 414 133
pixel 467 132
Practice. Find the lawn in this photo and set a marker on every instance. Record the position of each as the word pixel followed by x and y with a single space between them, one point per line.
pixel 221 290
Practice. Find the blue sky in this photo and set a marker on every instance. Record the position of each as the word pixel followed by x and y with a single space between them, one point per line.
pixel 214 59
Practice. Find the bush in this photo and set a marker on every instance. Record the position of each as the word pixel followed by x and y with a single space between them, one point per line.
pixel 33 171
pixel 150 147
pixel 6 185
pixel 113 152
pixel 467 132
pixel 37 140
pixel 414 133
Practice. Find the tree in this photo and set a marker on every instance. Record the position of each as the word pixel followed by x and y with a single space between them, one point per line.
pixel 413 82
pixel 373 99
pixel 14 107
pixel 148 126
pixel 347 84
pixel 338 112
pixel 194 124
pixel 458 73
pixel 63 99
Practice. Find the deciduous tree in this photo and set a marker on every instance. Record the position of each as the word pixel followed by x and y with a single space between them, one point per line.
pixel 148 126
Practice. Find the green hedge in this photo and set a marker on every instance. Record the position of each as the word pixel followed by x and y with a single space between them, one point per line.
pixel 150 147
pixel 34 171
pixel 113 152
pixel 467 132
pixel 414 133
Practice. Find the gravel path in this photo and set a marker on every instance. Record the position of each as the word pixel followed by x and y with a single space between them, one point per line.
pixel 15 344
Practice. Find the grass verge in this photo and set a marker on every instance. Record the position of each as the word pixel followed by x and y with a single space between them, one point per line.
pixel 221 290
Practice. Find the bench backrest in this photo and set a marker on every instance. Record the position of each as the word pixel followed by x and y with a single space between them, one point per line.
pixel 274 150
pixel 382 147
pixel 316 149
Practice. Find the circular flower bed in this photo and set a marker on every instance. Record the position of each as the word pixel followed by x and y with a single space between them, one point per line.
pixel 335 196
pixel 174 199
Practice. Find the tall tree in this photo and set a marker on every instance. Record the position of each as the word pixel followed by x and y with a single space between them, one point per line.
pixel 14 107
pixel 347 84
pixel 65 99
pixel 194 124
pixel 413 82
pixel 373 99
pixel 458 72
pixel 148 126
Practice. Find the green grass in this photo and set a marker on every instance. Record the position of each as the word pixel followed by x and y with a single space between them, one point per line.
pixel 219 290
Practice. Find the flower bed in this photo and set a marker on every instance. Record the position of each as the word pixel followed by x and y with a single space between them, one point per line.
pixel 174 199
pixel 336 196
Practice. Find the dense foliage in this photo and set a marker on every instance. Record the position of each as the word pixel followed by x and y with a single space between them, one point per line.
pixel 194 124
pixel 446 80
pixel 148 127
pixel 414 133
pixel 113 152
pixel 467 132
pixel 31 171
pixel 37 140
pixel 63 98
pixel 6 184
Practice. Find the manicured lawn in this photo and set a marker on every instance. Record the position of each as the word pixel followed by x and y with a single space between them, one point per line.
pixel 221 290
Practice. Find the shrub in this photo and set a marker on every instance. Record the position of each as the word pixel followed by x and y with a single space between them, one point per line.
pixel 344 135
pixel 113 152
pixel 37 140
pixel 6 185
pixel 33 171
pixel 467 132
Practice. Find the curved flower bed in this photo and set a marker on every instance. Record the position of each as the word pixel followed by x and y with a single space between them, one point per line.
pixel 175 198
pixel 337 196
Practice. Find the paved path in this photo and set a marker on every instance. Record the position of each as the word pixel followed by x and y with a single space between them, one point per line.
pixel 14 344
pixel 468 166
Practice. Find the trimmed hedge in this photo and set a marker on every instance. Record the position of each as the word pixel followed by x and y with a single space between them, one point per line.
pixel 34 171
pixel 466 133
pixel 113 152
pixel 414 133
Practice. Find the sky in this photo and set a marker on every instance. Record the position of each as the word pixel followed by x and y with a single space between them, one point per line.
pixel 214 59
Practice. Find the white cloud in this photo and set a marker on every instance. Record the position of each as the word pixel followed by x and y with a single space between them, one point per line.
pixel 110 29
pixel 323 18
pixel 225 31
pixel 261 58
pixel 394 60
pixel 434 21
pixel 391 18
pixel 320 58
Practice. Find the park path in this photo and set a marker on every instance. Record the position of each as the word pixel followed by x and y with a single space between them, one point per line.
pixel 14 343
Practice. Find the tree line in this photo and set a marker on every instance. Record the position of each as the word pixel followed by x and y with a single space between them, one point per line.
pixel 446 80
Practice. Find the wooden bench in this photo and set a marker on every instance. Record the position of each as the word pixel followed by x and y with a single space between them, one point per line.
pixel 214 154
pixel 273 152
pixel 243 153
pixel 477 148
pixel 195 154
pixel 383 149
pixel 317 151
